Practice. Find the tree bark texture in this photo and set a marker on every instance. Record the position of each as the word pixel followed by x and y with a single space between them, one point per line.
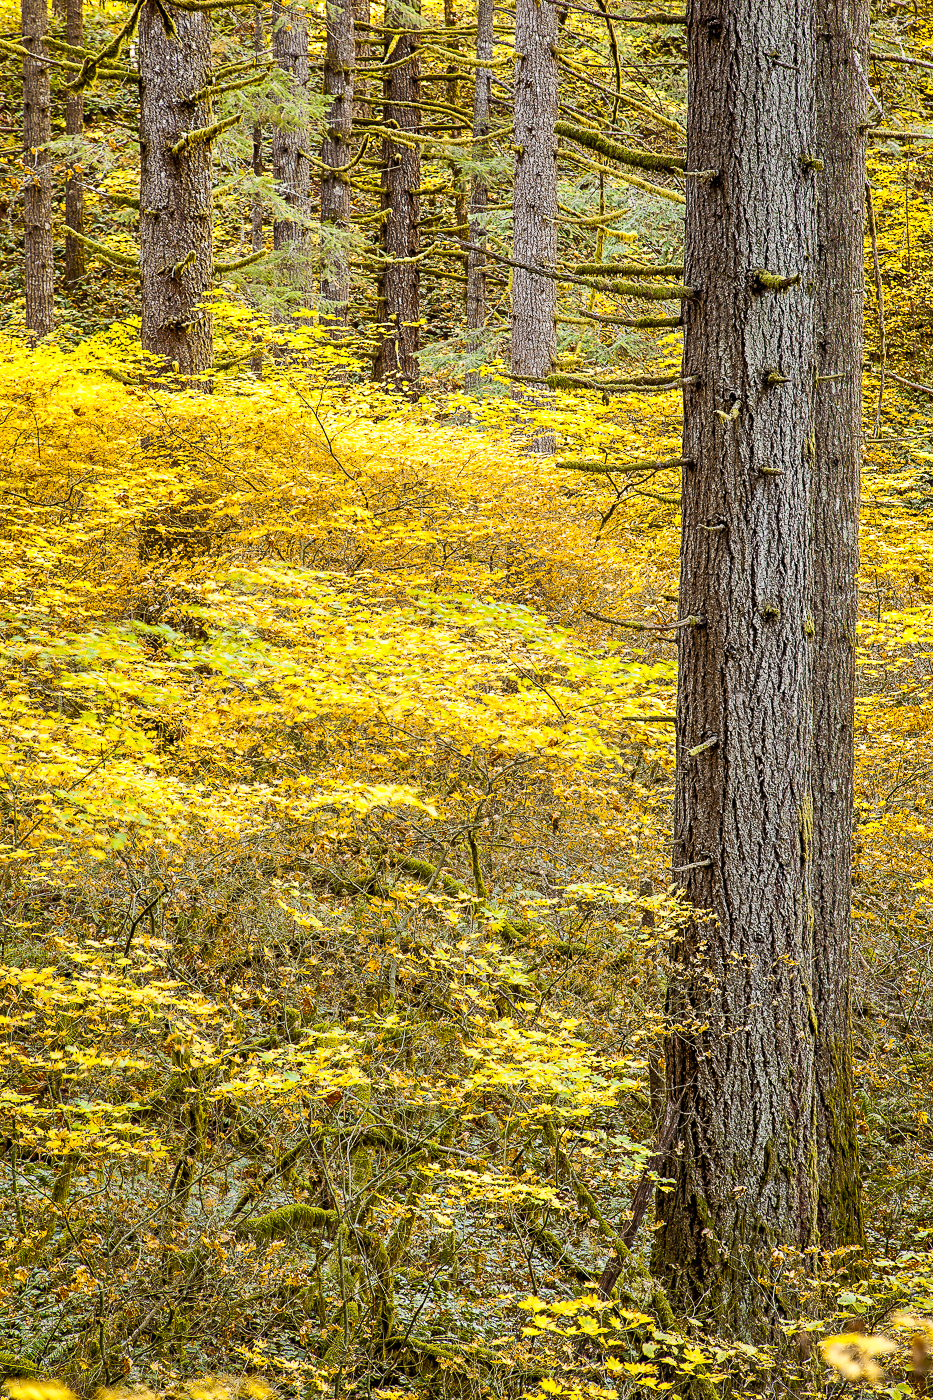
pixel 842 30
pixel 175 187
pixel 37 183
pixel 75 258
pixel 452 42
pixel 482 97
pixel 534 299
pixel 740 1057
pixel 290 168
pixel 335 155
pixel 399 295
pixel 256 201
pixel 361 22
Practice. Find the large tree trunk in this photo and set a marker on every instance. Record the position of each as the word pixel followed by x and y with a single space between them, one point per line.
pixel 740 1059
pixel 289 167
pixel 75 259
pixel 482 96
pixel 842 32
pixel 534 217
pixel 361 23
pixel 175 187
pixel 399 296
pixel 37 192
pixel 335 155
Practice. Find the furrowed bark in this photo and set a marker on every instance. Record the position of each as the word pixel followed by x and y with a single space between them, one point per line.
pixel 75 255
pixel 740 1056
pixel 37 182
pixel 290 137
pixel 335 154
pixel 842 31
pixel 476 260
pixel 534 218
pixel 534 299
pixel 399 295
pixel 175 191
pixel 256 211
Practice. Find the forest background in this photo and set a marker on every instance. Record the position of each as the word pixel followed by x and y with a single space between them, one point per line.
pixel 337 752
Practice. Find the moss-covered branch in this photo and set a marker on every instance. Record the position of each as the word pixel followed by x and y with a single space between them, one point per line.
pixel 765 281
pixel 222 268
pixel 279 1222
pixel 629 269
pixel 102 251
pixel 598 467
pixel 200 134
pixel 612 150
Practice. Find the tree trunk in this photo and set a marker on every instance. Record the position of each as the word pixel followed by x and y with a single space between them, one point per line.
pixel 399 295
pixel 534 299
pixel 289 167
pixel 361 20
pixel 175 187
pixel 740 1057
pixel 37 183
pixel 335 155
pixel 452 42
pixel 534 200
pixel 842 30
pixel 256 201
pixel 75 259
pixel 482 96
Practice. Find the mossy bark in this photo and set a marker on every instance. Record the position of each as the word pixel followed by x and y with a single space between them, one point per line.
pixel 175 191
pixel 399 297
pixel 740 1055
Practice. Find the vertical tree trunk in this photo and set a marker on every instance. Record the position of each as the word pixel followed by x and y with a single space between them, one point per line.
pixel 453 100
pixel 534 202
pixel 482 96
pixel 75 260
pixel 175 187
pixel 740 1059
pixel 335 155
pixel 842 31
pixel 289 167
pixel 256 201
pixel 256 211
pixel 363 47
pixel 399 296
pixel 37 185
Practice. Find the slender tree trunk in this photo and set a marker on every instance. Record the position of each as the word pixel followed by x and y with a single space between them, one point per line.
pixel 740 1059
pixel 289 167
pixel 482 97
pixel 842 31
pixel 256 210
pixel 175 187
pixel 453 100
pixel 335 155
pixel 75 259
pixel 399 296
pixel 37 185
pixel 534 198
pixel 361 21
pixel 256 201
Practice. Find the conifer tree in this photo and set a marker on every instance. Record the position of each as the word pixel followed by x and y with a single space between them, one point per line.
pixel 399 294
pixel 534 217
pixel 740 1059
pixel 175 186
pixel 290 141
pixel 37 185
pixel 75 254
pixel 842 43
pixel 482 95
pixel 335 153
